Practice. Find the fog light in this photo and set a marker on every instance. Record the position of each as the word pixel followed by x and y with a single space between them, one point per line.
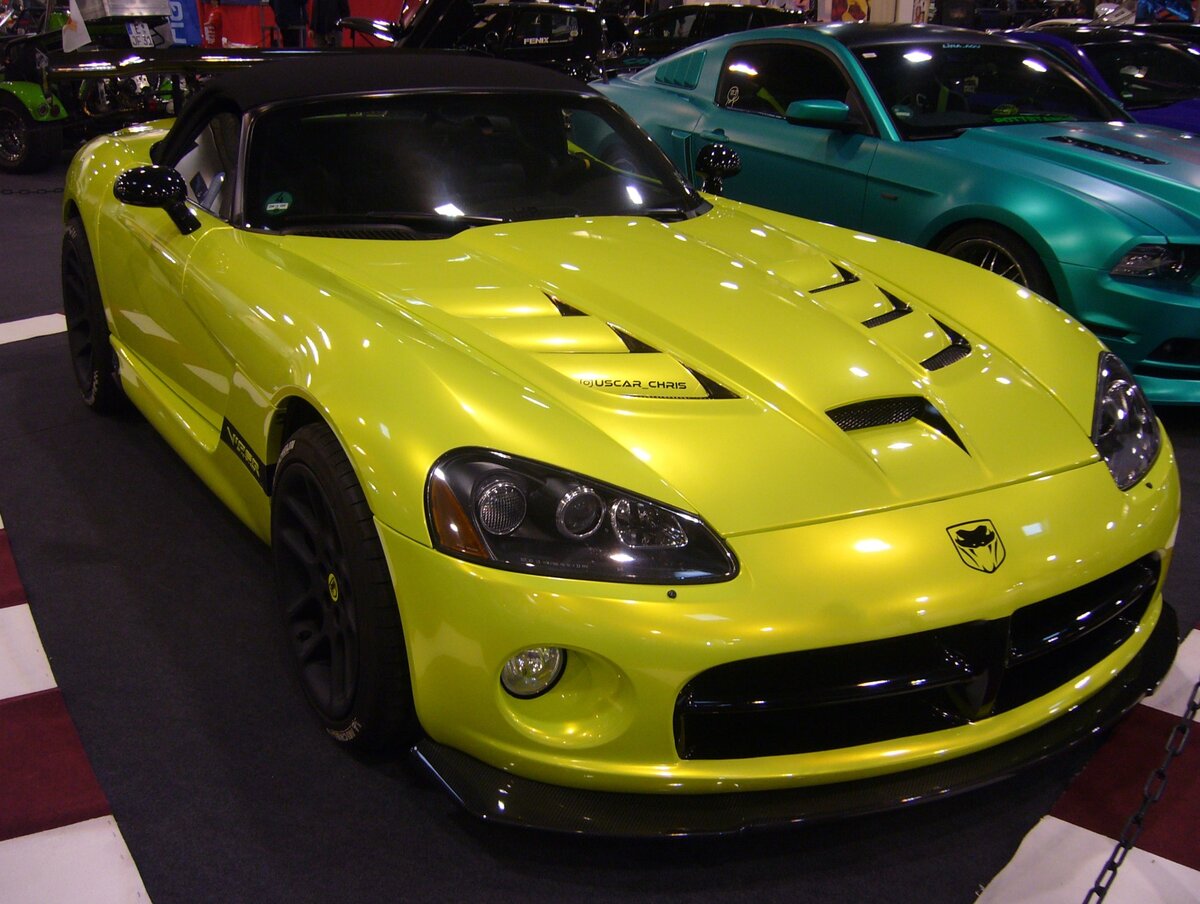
pixel 532 672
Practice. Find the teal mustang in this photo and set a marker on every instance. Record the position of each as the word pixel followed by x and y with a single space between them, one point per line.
pixel 978 146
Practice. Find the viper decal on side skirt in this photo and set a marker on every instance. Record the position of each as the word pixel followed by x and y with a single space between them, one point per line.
pixel 263 473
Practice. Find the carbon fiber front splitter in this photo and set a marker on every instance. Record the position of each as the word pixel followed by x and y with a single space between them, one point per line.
pixel 497 796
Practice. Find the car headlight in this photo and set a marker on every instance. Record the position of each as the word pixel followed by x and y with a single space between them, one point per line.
pixel 1124 428
pixel 521 515
pixel 1176 263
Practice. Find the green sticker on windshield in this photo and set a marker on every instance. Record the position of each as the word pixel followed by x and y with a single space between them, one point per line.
pixel 279 203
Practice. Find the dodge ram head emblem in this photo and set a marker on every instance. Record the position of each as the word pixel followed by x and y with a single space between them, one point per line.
pixel 978 544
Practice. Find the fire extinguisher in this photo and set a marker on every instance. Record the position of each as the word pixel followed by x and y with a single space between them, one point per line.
pixel 213 28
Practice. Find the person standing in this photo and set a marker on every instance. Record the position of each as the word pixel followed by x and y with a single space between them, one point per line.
pixel 292 18
pixel 325 15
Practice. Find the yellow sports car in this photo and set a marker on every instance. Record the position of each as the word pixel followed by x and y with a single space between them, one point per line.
pixel 627 508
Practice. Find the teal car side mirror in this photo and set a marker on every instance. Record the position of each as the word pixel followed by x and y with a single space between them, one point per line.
pixel 157 186
pixel 832 113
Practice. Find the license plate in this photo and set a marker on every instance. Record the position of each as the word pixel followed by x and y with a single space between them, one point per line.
pixel 140 34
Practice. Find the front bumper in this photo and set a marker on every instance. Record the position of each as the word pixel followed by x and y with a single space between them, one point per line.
pixel 500 797
pixel 610 727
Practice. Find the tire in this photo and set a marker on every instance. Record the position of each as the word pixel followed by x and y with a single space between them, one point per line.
pixel 25 145
pixel 335 590
pixel 92 359
pixel 1002 252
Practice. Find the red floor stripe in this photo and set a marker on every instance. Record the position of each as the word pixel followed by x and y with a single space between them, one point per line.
pixel 45 778
pixel 11 591
pixel 1110 788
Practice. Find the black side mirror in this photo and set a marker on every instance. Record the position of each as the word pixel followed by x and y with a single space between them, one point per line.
pixel 157 186
pixel 716 163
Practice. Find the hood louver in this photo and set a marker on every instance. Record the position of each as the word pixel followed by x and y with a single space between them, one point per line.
pixel 656 376
pixel 1107 149
pixel 888 412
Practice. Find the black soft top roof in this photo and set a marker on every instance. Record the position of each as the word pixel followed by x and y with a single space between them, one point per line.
pixel 292 76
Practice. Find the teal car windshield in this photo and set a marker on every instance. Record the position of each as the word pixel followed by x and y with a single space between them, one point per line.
pixel 432 164
pixel 935 90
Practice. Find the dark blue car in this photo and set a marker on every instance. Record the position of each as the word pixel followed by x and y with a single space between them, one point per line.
pixel 1156 78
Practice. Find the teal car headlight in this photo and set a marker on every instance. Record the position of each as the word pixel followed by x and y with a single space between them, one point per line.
pixel 1176 263
pixel 517 514
pixel 1124 428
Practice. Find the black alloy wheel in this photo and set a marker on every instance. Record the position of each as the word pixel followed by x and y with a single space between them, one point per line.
pixel 334 586
pixel 1000 251
pixel 92 358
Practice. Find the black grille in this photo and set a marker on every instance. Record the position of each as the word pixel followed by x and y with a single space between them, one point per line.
pixel 875 691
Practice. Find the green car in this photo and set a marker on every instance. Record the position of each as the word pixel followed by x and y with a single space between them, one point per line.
pixel 627 509
pixel 978 146
pixel 44 109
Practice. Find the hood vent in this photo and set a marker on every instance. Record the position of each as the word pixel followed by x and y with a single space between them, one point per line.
pixel 1107 149
pixel 899 309
pixel 888 412
pixel 846 278
pixel 958 349
pixel 638 372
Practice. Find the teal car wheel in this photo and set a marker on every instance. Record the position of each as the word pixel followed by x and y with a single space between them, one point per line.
pixel 333 583
pixel 92 358
pixel 24 147
pixel 1000 251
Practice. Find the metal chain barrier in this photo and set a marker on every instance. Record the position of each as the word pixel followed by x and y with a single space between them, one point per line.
pixel 1151 793
pixel 31 191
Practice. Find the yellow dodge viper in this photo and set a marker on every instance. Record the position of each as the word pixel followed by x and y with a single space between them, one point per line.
pixel 626 508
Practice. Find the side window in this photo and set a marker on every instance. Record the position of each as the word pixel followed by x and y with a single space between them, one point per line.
pixel 719 21
pixel 764 78
pixel 676 26
pixel 208 168
pixel 545 27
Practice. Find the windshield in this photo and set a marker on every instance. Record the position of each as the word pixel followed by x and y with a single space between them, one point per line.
pixel 431 164
pixel 1148 74
pixel 934 90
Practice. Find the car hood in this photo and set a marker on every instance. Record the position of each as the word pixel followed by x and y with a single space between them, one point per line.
pixel 1160 165
pixel 724 364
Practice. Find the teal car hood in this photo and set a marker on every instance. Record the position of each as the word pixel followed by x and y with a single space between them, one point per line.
pixel 1160 165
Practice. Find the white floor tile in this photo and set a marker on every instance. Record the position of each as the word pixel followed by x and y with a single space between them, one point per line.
pixel 23 665
pixel 86 862
pixel 1058 863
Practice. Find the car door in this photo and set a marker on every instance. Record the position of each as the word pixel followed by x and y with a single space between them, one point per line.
pixel 151 314
pixel 809 170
